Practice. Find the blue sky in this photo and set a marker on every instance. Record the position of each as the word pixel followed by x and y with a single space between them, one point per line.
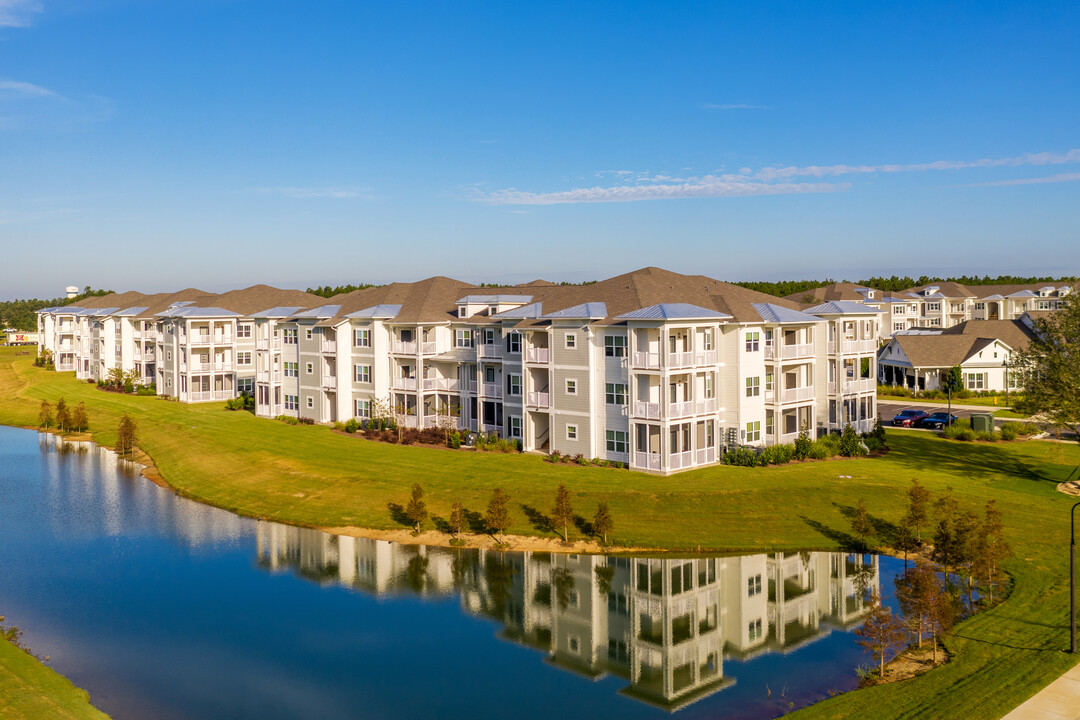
pixel 158 144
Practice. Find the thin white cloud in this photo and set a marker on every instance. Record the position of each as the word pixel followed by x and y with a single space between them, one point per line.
pixel 18 13
pixel 307 193
pixel 707 187
pixel 1045 158
pixel 734 106
pixel 1061 177
pixel 15 88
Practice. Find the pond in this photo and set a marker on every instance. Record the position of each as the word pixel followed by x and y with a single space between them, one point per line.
pixel 162 607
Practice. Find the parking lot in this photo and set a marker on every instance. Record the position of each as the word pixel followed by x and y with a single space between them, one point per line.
pixel 887 409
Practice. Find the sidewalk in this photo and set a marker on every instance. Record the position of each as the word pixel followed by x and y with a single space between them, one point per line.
pixel 1060 700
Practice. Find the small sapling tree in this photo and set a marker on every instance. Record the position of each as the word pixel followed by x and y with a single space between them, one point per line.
pixel 45 415
pixel 416 510
pixel 457 519
pixel 497 518
pixel 881 632
pixel 563 512
pixel 126 436
pixel 602 521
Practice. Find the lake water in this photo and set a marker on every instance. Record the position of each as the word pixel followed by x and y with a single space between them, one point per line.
pixel 165 608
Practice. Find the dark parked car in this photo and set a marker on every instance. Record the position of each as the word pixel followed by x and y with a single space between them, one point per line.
pixel 908 418
pixel 937 420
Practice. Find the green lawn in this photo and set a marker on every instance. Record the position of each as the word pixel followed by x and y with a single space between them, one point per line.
pixel 311 475
pixel 31 691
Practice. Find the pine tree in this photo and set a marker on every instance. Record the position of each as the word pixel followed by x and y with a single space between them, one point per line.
pixel 457 519
pixel 990 549
pixel 63 416
pixel 860 523
pixel 881 631
pixel 126 435
pixel 918 502
pixel 79 421
pixel 497 518
pixel 603 523
pixel 45 415
pixel 416 510
pixel 563 513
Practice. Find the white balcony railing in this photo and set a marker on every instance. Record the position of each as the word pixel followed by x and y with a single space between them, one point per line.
pixel 268 343
pixel 404 348
pixel 678 461
pixel 691 359
pixel 472 386
pixel 437 383
pixel 691 408
pixel 489 351
pixel 65 367
pixel 647 461
pixel 646 410
pixel 207 395
pixel 849 347
pixel 492 390
pixel 223 366
pixel 407 384
pixel 539 355
pixel 199 339
pixel 223 339
pixel 831 387
pixel 428 348
pixel 788 352
pixel 860 386
pixel 329 346
pixel 646 360
pixel 198 366
pixel 538 400
pixel 798 394
pixel 329 382
pixel 705 456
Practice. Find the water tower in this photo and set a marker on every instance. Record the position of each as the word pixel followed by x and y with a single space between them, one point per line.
pixel 71 291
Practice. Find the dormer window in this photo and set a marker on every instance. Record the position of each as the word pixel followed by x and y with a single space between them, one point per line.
pixel 462 311
pixel 870 294
pixel 493 310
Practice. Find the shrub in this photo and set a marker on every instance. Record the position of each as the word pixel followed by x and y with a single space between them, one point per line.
pixel 351 426
pixel 455 440
pixel 1008 433
pixel 307 421
pixel 1022 429
pixel 234 404
pixel 987 436
pixel 959 431
pixel 556 456
pixel 825 447
pixel 803 444
pixel 146 390
pixel 850 445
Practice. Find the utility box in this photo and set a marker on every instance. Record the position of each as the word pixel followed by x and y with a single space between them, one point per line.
pixel 982 422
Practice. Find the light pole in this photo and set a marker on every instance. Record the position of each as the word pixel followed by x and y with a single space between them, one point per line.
pixel 1072 577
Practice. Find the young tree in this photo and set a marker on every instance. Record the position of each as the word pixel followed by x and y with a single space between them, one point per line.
pixel 990 550
pixel 918 504
pixel 916 591
pixel 603 523
pixel 497 518
pixel 1048 370
pixel 861 526
pixel 849 442
pixel 63 415
pixel 952 381
pixel 880 632
pixel 45 415
pixel 416 510
pixel 126 435
pixel 79 421
pixel 457 519
pixel 563 513
pixel 115 377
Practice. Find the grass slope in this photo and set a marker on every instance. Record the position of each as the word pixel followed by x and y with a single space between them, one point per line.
pixel 311 475
pixel 31 691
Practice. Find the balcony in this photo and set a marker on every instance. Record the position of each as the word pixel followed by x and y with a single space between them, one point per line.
pixel 691 359
pixel 705 456
pixel 440 384
pixel 646 360
pixel 329 383
pixel 223 366
pixel 197 366
pixel 65 367
pixel 208 395
pixel 852 347
pixel 691 408
pixel 406 384
pixel 268 343
pixel 492 390
pixel 646 410
pixel 198 339
pixel 540 400
pixel 472 386
pixel 403 348
pixel 329 347
pixel 799 394
pixel 646 461
pixel 537 355
pixel 428 348
pixel 788 352
pixel 859 386
pixel 489 351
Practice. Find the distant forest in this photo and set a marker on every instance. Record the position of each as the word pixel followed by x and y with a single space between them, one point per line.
pixel 330 291
pixel 19 314
pixel 895 283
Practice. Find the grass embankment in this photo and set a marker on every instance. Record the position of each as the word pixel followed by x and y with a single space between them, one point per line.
pixel 31 691
pixel 311 475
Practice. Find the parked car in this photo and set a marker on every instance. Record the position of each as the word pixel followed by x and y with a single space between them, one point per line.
pixel 908 418
pixel 937 420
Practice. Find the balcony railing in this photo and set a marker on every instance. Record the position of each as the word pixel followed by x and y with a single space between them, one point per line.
pixel 428 348
pixel 265 376
pixel 798 394
pixel 406 384
pixel 268 343
pixel 199 339
pixel 489 351
pixel 646 360
pixel 472 386
pixel 691 408
pixel 220 339
pixel 437 383
pixel 223 366
pixel 538 400
pixel 404 348
pixel 678 461
pixel 65 367
pixel 646 410
pixel 207 395
pixel 329 346
pixel 329 382
pixel 492 390
pixel 198 366
pixel 788 352
pixel 539 355
pixel 691 359
pixel 849 347
pixel 859 386
pixel 647 461
pixel 704 456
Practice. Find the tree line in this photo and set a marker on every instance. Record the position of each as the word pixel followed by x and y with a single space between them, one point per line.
pixel 896 283
pixel 332 290
pixel 20 314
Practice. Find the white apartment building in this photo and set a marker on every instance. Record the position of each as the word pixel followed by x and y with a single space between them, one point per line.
pixel 652 368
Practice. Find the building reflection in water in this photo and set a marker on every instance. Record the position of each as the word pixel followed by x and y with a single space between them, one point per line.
pixel 665 625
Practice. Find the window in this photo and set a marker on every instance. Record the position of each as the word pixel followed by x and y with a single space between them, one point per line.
pixel 245 386
pixel 289 336
pixel 462 311
pixel 975 381
pixel 753 586
pixel 768 423
pixel 489 336
pixel 243 330
pixel 291 402
pixel 515 427
pixel 754 630
pixel 897 326
pixel 616 394
pixel 292 369
pixel 363 373
pixel 513 343
pixel 617 441
pixel 489 374
pixel 710 390
pixel 753 386
pixel 570 341
pixel 933 307
pixel 243 358
pixel 168 382
pixel 752 341
pixel 362 338
pixel 310 368
pixel 307 334
pixel 363 408
pixel 463 338
pixel 513 384
pixel 168 355
pixel 980 306
pixel 706 340
pixel 493 309
pixel 615 346
pixel 753 431
pixel 571 387
pixel 768 382
pixel 571 432
pixel 310 401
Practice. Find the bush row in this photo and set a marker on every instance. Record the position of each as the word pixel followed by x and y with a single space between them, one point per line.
pixel 579 459
pixel 890 391
pixel 961 430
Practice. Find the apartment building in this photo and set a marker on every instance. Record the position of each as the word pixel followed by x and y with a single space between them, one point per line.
pixel 652 368
pixel 943 305
pixel 663 625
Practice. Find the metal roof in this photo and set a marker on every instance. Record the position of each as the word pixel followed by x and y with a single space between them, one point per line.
pixel 323 311
pixel 131 312
pixel 277 312
pixel 197 312
pixel 841 307
pixel 584 311
pixel 779 314
pixel 674 311
pixel 532 310
pixel 377 311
